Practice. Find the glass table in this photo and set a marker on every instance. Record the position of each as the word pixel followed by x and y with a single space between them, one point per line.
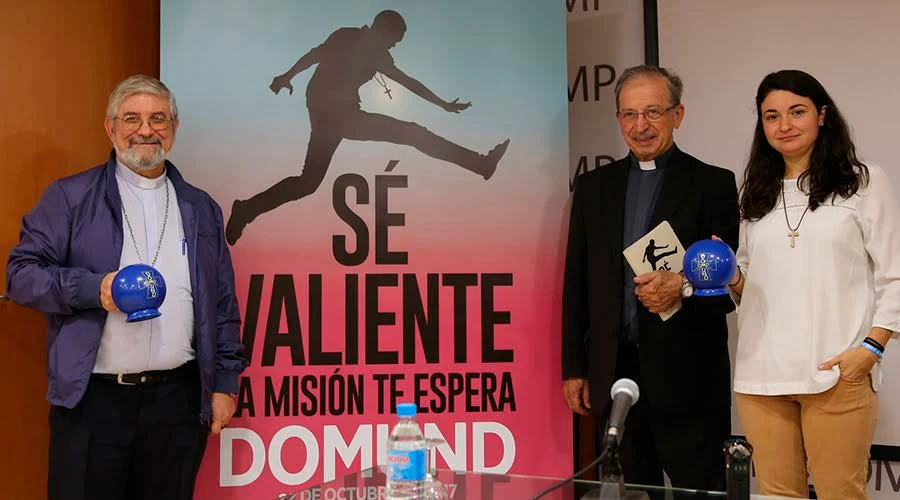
pixel 369 484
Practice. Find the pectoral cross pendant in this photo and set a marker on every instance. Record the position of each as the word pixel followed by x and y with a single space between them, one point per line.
pixel 793 235
pixel 388 92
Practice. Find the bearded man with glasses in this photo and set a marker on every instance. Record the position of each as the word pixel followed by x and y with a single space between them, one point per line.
pixel 131 403
pixel 611 323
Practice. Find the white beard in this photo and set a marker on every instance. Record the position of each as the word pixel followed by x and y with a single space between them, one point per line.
pixel 133 159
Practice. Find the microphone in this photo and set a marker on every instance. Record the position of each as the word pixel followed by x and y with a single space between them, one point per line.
pixel 738 458
pixel 624 394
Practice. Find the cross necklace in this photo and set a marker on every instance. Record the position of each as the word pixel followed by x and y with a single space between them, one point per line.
pixel 384 85
pixel 793 232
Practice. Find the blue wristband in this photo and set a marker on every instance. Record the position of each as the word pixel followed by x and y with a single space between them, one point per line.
pixel 872 348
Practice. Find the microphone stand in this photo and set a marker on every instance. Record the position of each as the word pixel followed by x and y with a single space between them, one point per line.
pixel 612 481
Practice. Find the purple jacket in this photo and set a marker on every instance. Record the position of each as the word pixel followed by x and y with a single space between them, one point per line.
pixel 73 237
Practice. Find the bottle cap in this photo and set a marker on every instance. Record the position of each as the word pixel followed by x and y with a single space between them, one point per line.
pixel 406 410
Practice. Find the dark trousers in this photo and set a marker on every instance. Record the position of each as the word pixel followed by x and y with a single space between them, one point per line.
pixel 128 442
pixel 687 445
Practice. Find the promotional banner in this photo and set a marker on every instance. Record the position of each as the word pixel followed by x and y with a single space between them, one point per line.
pixel 393 181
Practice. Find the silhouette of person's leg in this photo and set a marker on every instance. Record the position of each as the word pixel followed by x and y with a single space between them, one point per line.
pixel 377 127
pixel 324 139
pixel 651 257
pixel 666 254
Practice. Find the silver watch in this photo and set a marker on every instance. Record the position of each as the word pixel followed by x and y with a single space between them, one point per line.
pixel 687 289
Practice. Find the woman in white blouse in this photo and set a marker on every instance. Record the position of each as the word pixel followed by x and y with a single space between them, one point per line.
pixel 819 293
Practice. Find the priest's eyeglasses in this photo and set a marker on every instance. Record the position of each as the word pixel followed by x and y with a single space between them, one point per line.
pixel 651 114
pixel 157 122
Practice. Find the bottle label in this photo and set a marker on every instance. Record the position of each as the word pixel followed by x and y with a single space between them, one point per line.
pixel 406 465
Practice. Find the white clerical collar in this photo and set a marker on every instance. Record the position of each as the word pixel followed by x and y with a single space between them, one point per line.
pixel 132 177
pixel 660 162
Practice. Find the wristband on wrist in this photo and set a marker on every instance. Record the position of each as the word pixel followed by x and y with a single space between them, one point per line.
pixel 876 351
pixel 740 278
pixel 874 343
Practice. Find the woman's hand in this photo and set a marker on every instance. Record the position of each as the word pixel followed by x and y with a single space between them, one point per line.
pixel 854 363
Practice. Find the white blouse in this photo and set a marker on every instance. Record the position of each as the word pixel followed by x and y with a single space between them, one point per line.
pixel 802 305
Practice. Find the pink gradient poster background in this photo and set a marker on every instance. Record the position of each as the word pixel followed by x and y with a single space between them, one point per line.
pixel 454 300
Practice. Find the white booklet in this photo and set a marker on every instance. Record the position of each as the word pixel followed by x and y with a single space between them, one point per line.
pixel 658 249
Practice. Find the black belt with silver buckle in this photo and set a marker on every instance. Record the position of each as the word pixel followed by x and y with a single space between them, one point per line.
pixel 150 377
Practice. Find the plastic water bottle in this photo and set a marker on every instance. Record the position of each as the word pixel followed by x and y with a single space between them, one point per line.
pixel 406 456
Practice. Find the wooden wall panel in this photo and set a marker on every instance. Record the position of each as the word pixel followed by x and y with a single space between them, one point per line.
pixel 59 60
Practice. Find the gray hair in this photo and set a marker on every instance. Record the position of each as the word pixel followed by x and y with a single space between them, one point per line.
pixel 139 84
pixel 674 81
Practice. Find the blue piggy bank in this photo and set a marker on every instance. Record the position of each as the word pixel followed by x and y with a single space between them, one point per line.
pixel 709 265
pixel 138 290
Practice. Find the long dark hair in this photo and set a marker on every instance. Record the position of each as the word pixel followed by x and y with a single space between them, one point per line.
pixel 833 166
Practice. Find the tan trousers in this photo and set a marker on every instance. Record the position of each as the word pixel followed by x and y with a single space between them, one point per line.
pixel 830 432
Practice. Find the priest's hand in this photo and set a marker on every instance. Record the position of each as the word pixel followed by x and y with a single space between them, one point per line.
pixel 577 394
pixel 106 299
pixel 659 290
pixel 223 407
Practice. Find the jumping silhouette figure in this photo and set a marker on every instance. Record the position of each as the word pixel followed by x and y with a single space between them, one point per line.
pixel 650 253
pixel 349 58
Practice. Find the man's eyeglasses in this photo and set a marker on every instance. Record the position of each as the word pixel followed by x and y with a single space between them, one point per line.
pixel 157 122
pixel 652 114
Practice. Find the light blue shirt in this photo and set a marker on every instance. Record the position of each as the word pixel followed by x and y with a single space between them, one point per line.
pixel 164 342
